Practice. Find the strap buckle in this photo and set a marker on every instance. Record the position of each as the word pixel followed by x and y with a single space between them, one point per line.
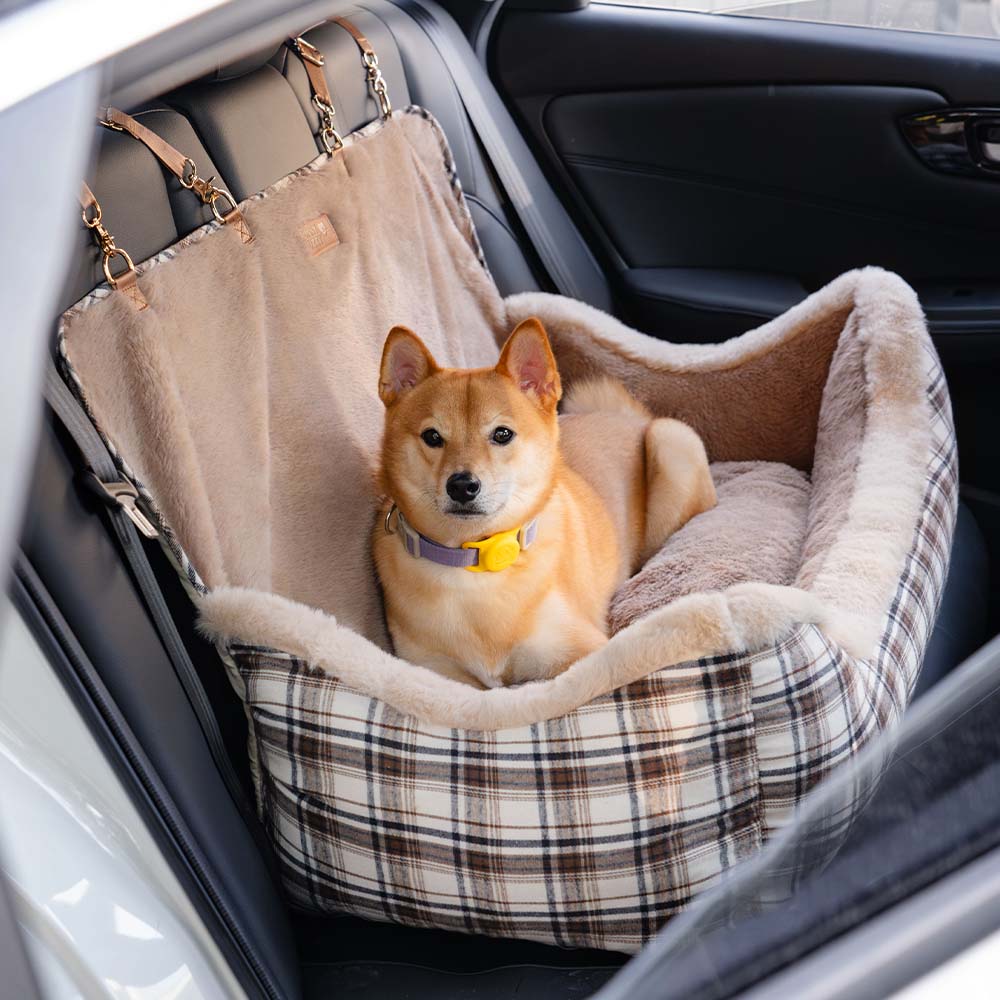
pixel 181 166
pixel 370 62
pixel 125 495
pixel 308 52
pixel 204 189
pixel 108 123
pixel 313 62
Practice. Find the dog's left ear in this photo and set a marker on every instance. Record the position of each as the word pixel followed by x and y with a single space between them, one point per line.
pixel 527 358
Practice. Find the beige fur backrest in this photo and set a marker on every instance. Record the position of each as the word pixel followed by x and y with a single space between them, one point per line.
pixel 245 397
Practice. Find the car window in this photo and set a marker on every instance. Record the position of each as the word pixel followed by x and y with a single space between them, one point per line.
pixel 952 17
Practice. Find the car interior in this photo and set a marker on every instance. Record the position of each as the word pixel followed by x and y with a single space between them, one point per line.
pixel 693 174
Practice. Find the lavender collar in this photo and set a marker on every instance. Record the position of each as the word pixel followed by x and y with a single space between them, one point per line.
pixel 489 555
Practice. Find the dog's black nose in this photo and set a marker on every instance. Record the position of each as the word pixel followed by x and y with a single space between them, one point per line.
pixel 462 487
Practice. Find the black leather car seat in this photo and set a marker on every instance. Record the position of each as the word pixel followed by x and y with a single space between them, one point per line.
pixel 249 125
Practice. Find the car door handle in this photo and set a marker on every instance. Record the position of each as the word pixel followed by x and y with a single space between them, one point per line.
pixel 962 141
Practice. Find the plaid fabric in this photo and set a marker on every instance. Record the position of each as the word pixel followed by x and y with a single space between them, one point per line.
pixel 590 829
pixel 594 828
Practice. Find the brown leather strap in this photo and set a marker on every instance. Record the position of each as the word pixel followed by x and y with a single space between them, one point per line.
pixel 363 43
pixel 127 284
pixel 182 167
pixel 312 60
pixel 370 60
pixel 88 202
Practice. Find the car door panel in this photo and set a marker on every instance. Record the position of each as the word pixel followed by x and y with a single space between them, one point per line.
pixel 742 144
pixel 722 167
pixel 738 170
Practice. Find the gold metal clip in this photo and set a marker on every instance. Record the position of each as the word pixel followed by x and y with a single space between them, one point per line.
pixel 308 52
pixel 203 188
pixel 109 256
pixel 216 194
pixel 328 133
pixel 377 83
pixel 106 242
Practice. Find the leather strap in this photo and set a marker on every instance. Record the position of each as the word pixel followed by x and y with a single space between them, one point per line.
pixel 88 202
pixel 312 61
pixel 370 61
pixel 363 43
pixel 182 167
pixel 128 285
pixel 124 281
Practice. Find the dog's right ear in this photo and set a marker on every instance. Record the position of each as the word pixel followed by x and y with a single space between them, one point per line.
pixel 406 362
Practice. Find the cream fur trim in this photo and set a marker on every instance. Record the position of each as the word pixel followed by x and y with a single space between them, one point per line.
pixel 862 569
pixel 749 616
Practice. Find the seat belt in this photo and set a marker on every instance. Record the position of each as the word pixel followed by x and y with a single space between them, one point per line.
pixel 128 521
pixel 558 243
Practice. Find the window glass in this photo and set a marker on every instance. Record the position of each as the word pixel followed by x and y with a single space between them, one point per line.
pixel 952 17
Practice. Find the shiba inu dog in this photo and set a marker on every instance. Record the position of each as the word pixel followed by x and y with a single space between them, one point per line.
pixel 507 528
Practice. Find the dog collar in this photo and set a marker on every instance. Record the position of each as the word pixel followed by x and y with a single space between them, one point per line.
pixel 489 555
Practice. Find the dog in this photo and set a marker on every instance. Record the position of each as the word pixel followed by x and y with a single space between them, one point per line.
pixel 507 528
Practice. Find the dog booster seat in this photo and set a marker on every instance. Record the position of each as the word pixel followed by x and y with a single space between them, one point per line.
pixel 234 378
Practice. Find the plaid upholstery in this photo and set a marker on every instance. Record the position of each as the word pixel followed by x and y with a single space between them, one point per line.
pixel 591 829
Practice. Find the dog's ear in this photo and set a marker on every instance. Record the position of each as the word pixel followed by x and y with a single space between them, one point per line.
pixel 406 362
pixel 527 358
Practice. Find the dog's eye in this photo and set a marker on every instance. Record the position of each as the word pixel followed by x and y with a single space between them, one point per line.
pixel 503 435
pixel 432 439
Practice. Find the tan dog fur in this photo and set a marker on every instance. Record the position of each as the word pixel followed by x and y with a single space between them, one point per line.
pixel 607 482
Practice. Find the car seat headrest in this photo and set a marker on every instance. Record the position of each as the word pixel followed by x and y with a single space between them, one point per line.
pixel 274 53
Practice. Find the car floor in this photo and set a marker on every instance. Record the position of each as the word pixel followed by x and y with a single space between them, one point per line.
pixel 347 956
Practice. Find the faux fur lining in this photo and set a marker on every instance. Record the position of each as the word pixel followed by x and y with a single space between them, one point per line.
pixel 859 569
pixel 748 616
pixel 242 402
pixel 754 534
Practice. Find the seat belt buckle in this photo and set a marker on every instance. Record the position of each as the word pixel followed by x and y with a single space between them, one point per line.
pixel 125 495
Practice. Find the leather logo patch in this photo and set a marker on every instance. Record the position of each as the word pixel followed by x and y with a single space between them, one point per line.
pixel 318 235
